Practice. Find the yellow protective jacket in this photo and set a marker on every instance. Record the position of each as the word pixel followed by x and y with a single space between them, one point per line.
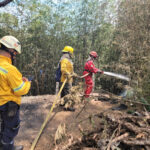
pixel 11 84
pixel 66 67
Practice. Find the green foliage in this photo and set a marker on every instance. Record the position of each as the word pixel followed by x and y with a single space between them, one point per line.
pixel 119 33
pixel 133 43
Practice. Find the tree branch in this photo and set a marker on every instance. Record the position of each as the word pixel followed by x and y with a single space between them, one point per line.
pixel 5 2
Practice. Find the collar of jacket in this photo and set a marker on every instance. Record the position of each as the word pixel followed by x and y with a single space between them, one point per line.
pixel 89 59
pixel 66 56
pixel 6 59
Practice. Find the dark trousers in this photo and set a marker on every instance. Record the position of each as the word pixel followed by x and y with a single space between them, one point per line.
pixel 65 90
pixel 10 123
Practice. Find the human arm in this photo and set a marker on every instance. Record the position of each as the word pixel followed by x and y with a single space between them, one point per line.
pixel 100 71
pixel 19 85
pixel 75 74
pixel 91 67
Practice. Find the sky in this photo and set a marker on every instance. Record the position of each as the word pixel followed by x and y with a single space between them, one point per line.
pixel 9 8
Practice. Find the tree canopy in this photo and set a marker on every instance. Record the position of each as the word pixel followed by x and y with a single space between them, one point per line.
pixel 117 31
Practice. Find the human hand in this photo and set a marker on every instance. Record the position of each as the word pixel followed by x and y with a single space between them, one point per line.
pixel 101 72
pixel 25 79
pixel 68 75
pixel 74 74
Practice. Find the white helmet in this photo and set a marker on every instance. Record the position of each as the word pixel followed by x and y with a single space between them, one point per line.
pixel 11 42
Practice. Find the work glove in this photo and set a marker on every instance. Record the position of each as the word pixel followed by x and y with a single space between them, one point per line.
pixel 101 72
pixel 74 74
pixel 25 79
pixel 68 75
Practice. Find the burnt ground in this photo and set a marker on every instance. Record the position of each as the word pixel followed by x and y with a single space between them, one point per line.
pixel 34 110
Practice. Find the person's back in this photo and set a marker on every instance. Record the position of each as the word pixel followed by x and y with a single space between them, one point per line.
pixel 12 86
pixel 66 67
pixel 67 71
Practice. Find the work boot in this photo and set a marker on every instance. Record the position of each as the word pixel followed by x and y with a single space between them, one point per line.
pixel 69 109
pixel 20 147
pixel 1 147
pixel 11 147
pixel 120 107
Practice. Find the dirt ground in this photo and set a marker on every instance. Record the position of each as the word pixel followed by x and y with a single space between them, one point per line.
pixel 34 110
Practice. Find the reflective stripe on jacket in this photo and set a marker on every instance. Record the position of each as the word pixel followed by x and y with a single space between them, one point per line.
pixel 66 67
pixel 11 84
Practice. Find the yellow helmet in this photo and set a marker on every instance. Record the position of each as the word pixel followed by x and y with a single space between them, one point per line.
pixel 68 49
pixel 11 42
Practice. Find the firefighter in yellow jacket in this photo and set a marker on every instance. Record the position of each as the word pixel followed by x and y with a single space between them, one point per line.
pixel 12 86
pixel 67 71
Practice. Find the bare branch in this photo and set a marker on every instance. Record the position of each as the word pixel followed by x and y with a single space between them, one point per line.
pixel 5 2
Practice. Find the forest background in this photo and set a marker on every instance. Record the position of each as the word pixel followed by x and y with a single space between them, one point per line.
pixel 119 31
